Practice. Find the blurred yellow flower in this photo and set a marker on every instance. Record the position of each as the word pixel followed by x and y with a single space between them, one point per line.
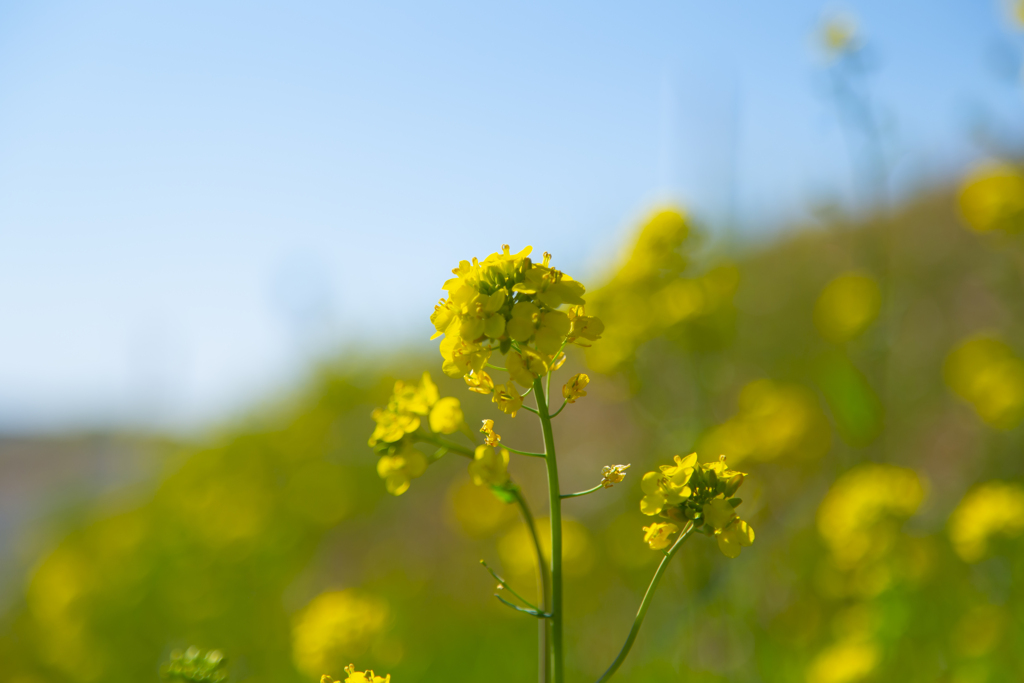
pixel 845 662
pixel 838 35
pixel 446 416
pixel 986 373
pixel 335 625
pixel 612 474
pixel 519 557
pixel 992 198
pixel 649 295
pixel 846 306
pixel 489 466
pixel 659 535
pixel 400 469
pixel 772 420
pixel 575 388
pixel 859 502
pixel 992 509
pixel 475 510
pixel 734 538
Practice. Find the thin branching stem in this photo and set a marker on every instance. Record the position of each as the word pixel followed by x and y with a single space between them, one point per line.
pixel 504 584
pixel 583 493
pixel 524 610
pixel 532 455
pixel 532 410
pixel 543 591
pixel 645 604
pixel 444 443
pixel 564 404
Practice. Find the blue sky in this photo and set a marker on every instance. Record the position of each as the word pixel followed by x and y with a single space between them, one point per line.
pixel 196 197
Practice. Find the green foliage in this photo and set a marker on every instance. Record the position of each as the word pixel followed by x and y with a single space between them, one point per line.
pixel 194 666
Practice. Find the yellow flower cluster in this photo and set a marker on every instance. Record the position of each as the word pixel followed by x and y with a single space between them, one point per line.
pixel 612 474
pixel 986 373
pixel 393 438
pixel 510 305
pixel 992 199
pixel 698 493
pixel 357 676
pixel 992 509
pixel 335 624
pixel 649 295
pixel 853 515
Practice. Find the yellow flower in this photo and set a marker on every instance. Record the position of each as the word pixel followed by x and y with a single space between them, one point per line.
pixel 492 438
pixel 992 199
pixel 860 502
pixel 659 534
pixel 508 399
pixel 719 513
pixel 480 382
pixel 839 35
pixel 446 416
pixel 668 487
pixel 489 466
pixel 462 357
pixel 574 388
pixel 416 399
pixel 391 426
pixel 613 474
pixel 584 328
pixel 551 287
pixel 547 328
pixel 847 305
pixel 401 468
pixel 363 676
pixel 992 509
pixel 986 373
pixel 503 301
pixel 525 366
pixel 732 538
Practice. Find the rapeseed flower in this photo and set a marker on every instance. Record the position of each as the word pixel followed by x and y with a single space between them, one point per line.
pixel 574 388
pixel 698 493
pixel 659 535
pixel 510 305
pixel 508 399
pixel 410 406
pixel 612 474
pixel 491 438
pixel 992 199
pixel 358 676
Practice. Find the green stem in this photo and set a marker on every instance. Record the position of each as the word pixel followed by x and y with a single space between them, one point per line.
pixel 564 404
pixel 645 605
pixel 504 584
pixel 543 590
pixel 555 502
pixel 532 455
pixel 582 493
pixel 444 443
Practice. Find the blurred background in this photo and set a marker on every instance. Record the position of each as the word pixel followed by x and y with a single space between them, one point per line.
pixel 223 229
